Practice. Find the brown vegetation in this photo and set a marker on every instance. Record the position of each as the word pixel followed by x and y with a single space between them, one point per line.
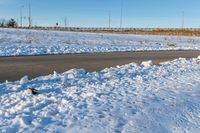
pixel 171 45
pixel 139 31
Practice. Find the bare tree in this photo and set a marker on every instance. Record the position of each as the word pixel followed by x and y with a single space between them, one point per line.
pixel 2 22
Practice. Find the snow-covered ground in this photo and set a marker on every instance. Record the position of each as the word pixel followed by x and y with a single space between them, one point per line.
pixel 30 42
pixel 131 98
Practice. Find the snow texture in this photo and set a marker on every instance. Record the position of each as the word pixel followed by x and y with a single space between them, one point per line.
pixel 14 42
pixel 134 98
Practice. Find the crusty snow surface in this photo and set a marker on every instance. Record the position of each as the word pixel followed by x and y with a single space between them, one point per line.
pixel 31 42
pixel 131 98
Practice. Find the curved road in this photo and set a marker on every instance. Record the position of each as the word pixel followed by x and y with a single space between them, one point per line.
pixel 13 68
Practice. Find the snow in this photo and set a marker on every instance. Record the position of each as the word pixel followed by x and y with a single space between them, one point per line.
pixel 14 42
pixel 147 63
pixel 23 80
pixel 130 98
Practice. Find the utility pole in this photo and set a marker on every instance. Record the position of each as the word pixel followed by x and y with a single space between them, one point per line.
pixel 183 19
pixel 109 19
pixel 121 16
pixel 65 21
pixel 21 16
pixel 29 18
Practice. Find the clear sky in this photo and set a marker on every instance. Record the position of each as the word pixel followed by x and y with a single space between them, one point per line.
pixel 95 13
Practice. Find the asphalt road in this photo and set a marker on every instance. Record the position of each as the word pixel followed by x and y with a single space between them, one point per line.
pixel 13 68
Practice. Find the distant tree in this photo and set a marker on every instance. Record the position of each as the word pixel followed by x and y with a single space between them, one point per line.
pixel 12 23
pixel 2 22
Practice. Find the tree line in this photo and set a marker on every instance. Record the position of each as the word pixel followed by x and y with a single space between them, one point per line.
pixel 8 23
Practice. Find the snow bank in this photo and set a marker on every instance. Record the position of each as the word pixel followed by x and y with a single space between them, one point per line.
pixel 147 63
pixel 198 60
pixel 129 98
pixel 30 42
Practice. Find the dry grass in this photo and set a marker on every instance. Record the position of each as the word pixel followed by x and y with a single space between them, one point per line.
pixel 141 31
pixel 171 45
pixel 174 32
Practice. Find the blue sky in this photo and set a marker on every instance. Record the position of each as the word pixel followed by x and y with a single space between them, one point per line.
pixel 94 13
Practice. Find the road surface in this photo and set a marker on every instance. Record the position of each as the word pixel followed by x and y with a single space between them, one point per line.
pixel 13 68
